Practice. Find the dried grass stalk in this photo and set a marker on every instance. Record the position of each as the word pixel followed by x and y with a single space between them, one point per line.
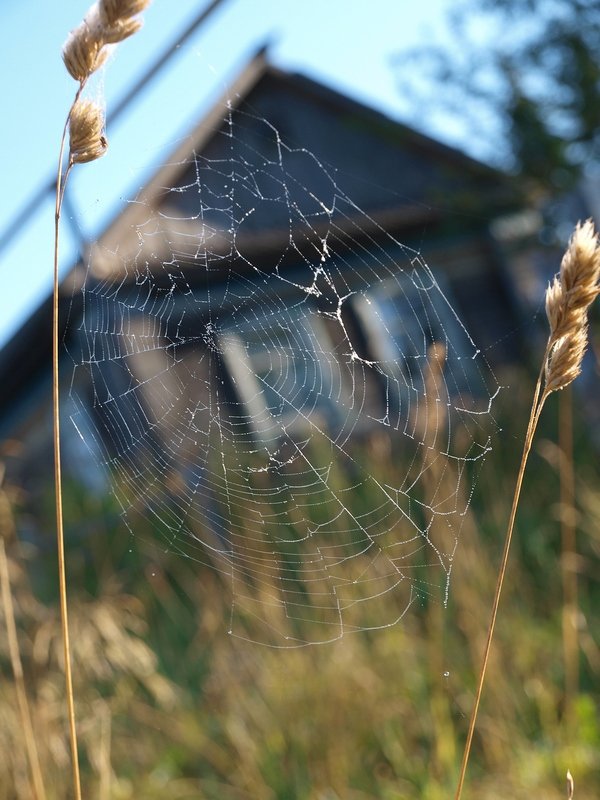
pixel 85 50
pixel 568 299
pixel 7 531
pixel 570 785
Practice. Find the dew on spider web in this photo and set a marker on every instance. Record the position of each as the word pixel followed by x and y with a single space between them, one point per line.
pixel 281 391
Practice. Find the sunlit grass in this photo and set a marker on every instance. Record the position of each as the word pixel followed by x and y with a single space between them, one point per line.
pixel 170 706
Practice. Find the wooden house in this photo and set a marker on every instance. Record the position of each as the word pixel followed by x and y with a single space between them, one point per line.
pixel 287 248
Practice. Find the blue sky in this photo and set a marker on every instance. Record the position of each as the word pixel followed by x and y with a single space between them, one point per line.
pixel 347 44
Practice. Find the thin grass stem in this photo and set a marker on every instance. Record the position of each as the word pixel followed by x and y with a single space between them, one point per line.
pixel 38 790
pixel 568 299
pixel 536 410
pixel 569 551
pixel 60 538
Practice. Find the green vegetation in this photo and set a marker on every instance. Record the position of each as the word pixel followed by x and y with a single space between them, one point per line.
pixel 521 79
pixel 169 706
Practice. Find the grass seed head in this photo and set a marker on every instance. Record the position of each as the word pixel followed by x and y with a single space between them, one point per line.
pixel 112 12
pixel 109 22
pixel 554 304
pixel 576 286
pixel 564 362
pixel 120 30
pixel 83 52
pixel 580 266
pixel 568 299
pixel 86 132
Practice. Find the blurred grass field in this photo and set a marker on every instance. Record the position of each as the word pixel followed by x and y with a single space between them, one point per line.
pixel 169 706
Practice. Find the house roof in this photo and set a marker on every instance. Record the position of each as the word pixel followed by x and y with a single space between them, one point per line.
pixel 25 359
pixel 393 207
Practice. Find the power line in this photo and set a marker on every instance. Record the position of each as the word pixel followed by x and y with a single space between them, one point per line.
pixel 16 223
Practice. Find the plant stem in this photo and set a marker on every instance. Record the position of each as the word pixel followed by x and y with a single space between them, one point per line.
pixel 15 658
pixel 536 410
pixel 569 550
pixel 62 578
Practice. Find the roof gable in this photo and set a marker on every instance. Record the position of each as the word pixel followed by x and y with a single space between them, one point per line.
pixel 282 153
pixel 289 132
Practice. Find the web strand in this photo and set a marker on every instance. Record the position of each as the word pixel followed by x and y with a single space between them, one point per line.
pixel 278 389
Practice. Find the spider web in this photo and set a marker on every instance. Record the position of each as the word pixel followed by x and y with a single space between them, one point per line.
pixel 280 390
